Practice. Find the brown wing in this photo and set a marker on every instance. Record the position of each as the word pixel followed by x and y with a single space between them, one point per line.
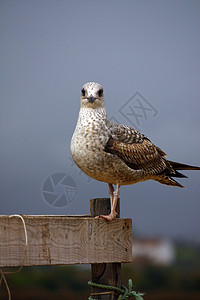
pixel 143 155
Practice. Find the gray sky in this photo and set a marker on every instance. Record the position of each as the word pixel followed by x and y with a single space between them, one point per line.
pixel 49 49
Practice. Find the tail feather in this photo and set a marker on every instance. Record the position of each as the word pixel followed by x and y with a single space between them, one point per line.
pixel 180 166
pixel 178 174
pixel 165 177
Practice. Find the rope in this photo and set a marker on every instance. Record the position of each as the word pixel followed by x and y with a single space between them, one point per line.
pixel 124 292
pixel 2 277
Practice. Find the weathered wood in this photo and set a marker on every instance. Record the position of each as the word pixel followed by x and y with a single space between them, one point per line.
pixel 101 206
pixel 105 273
pixel 108 274
pixel 56 240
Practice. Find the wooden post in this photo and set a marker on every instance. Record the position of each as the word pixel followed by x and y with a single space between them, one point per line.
pixel 104 273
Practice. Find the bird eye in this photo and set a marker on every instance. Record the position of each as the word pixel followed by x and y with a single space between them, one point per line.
pixel 83 92
pixel 100 92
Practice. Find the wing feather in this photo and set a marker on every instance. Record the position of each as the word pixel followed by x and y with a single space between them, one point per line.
pixel 143 155
pixel 139 153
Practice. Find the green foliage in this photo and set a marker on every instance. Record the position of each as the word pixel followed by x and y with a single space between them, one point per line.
pixel 124 292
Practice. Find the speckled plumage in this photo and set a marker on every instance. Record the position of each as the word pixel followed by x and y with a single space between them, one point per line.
pixel 114 153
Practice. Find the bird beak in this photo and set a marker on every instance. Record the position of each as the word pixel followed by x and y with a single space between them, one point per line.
pixel 91 99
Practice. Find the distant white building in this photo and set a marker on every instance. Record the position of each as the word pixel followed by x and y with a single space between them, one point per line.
pixel 158 251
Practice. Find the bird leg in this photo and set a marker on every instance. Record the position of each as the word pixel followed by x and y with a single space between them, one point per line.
pixel 111 191
pixel 113 202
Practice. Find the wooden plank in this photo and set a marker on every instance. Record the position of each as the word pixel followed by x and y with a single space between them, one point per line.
pixel 56 240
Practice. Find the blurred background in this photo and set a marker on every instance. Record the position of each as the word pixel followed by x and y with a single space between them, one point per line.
pixel 146 56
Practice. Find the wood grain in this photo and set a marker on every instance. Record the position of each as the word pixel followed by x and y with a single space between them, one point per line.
pixel 56 240
pixel 104 273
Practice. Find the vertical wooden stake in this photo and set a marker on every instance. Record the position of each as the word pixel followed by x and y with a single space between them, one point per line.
pixel 110 273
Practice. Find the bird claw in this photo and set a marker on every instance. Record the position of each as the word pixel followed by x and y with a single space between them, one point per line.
pixel 109 217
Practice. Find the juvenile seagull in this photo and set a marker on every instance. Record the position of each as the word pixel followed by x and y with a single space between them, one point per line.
pixel 115 153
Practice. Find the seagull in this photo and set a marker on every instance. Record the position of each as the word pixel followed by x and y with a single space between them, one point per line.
pixel 114 153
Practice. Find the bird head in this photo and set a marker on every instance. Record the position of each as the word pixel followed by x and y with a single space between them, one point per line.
pixel 92 95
